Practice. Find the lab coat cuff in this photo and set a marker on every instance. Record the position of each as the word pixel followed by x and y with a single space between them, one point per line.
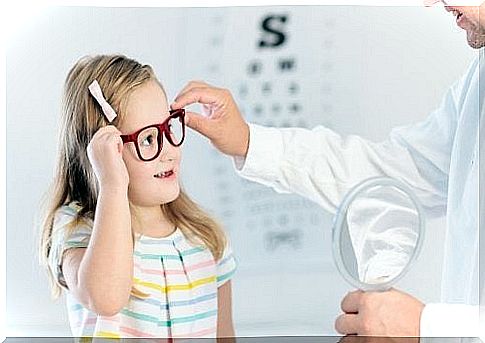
pixel 264 155
pixel 449 320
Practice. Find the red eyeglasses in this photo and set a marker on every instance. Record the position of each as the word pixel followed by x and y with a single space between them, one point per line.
pixel 149 140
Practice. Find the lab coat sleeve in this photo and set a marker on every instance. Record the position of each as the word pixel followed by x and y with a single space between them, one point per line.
pixel 449 320
pixel 321 165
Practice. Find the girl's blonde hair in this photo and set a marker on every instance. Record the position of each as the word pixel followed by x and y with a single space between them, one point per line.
pixel 74 178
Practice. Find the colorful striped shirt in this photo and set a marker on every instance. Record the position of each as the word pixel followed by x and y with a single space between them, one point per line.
pixel 179 278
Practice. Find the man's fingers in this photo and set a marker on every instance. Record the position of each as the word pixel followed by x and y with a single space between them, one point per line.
pixel 359 339
pixel 193 84
pixel 347 324
pixel 199 123
pixel 350 303
pixel 200 95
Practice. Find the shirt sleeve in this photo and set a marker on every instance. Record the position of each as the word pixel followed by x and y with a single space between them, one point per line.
pixel 449 320
pixel 226 266
pixel 66 234
pixel 322 166
pixel 382 226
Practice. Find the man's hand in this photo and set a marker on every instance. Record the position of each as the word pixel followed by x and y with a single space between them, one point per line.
pixel 223 125
pixel 391 313
pixel 373 339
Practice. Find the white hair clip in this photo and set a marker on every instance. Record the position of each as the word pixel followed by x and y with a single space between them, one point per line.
pixel 96 92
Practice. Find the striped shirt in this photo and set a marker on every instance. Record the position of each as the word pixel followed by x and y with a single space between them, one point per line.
pixel 179 278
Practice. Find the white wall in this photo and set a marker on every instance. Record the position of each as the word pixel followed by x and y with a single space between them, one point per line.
pixel 361 70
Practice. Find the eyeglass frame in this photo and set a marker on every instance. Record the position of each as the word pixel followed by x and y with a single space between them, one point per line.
pixel 162 129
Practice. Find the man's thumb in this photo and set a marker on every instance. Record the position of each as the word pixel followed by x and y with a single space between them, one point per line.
pixel 199 123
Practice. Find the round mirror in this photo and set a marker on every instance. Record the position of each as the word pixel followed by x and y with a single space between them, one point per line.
pixel 377 233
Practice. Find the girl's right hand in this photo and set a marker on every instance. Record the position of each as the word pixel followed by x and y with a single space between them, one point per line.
pixel 105 154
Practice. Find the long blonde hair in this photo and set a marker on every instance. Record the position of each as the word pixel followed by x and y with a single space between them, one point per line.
pixel 74 178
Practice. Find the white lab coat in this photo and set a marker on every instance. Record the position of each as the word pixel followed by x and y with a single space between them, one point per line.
pixel 437 158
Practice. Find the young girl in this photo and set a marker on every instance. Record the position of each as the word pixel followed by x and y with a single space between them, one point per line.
pixel 136 256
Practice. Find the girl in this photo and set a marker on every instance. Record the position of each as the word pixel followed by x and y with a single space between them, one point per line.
pixel 136 256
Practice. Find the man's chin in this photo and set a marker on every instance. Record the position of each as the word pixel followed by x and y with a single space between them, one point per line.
pixel 475 40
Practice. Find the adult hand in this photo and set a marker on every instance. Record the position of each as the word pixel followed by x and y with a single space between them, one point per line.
pixel 105 154
pixel 223 124
pixel 391 313
pixel 374 339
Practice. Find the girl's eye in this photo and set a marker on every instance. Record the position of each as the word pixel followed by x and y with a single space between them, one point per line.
pixel 148 140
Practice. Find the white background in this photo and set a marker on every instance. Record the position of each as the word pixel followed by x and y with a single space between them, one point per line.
pixel 391 67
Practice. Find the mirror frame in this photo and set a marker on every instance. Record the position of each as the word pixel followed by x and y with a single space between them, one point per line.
pixel 340 218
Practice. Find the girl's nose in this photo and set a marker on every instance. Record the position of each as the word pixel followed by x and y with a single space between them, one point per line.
pixel 169 152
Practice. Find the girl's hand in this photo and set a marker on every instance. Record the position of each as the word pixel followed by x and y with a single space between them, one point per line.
pixel 223 125
pixel 105 155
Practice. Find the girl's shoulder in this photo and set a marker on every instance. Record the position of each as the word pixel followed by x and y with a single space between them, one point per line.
pixel 72 208
pixel 68 214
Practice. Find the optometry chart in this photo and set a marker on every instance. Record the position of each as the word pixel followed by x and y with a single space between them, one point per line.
pixel 278 79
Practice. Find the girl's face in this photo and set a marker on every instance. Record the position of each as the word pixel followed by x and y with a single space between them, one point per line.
pixel 149 186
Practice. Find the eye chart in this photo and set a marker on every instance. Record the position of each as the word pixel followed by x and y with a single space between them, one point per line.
pixel 279 64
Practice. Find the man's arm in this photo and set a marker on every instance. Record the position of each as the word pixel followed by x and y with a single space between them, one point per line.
pixel 321 165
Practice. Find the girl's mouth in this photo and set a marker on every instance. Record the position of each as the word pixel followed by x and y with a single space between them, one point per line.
pixel 164 175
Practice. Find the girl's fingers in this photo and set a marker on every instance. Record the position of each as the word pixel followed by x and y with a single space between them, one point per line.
pixel 106 136
pixel 120 145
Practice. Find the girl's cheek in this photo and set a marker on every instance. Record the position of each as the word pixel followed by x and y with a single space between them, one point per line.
pixel 179 154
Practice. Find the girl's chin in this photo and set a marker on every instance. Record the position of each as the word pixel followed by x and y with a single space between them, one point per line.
pixel 171 196
pixel 169 200
pixel 166 197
